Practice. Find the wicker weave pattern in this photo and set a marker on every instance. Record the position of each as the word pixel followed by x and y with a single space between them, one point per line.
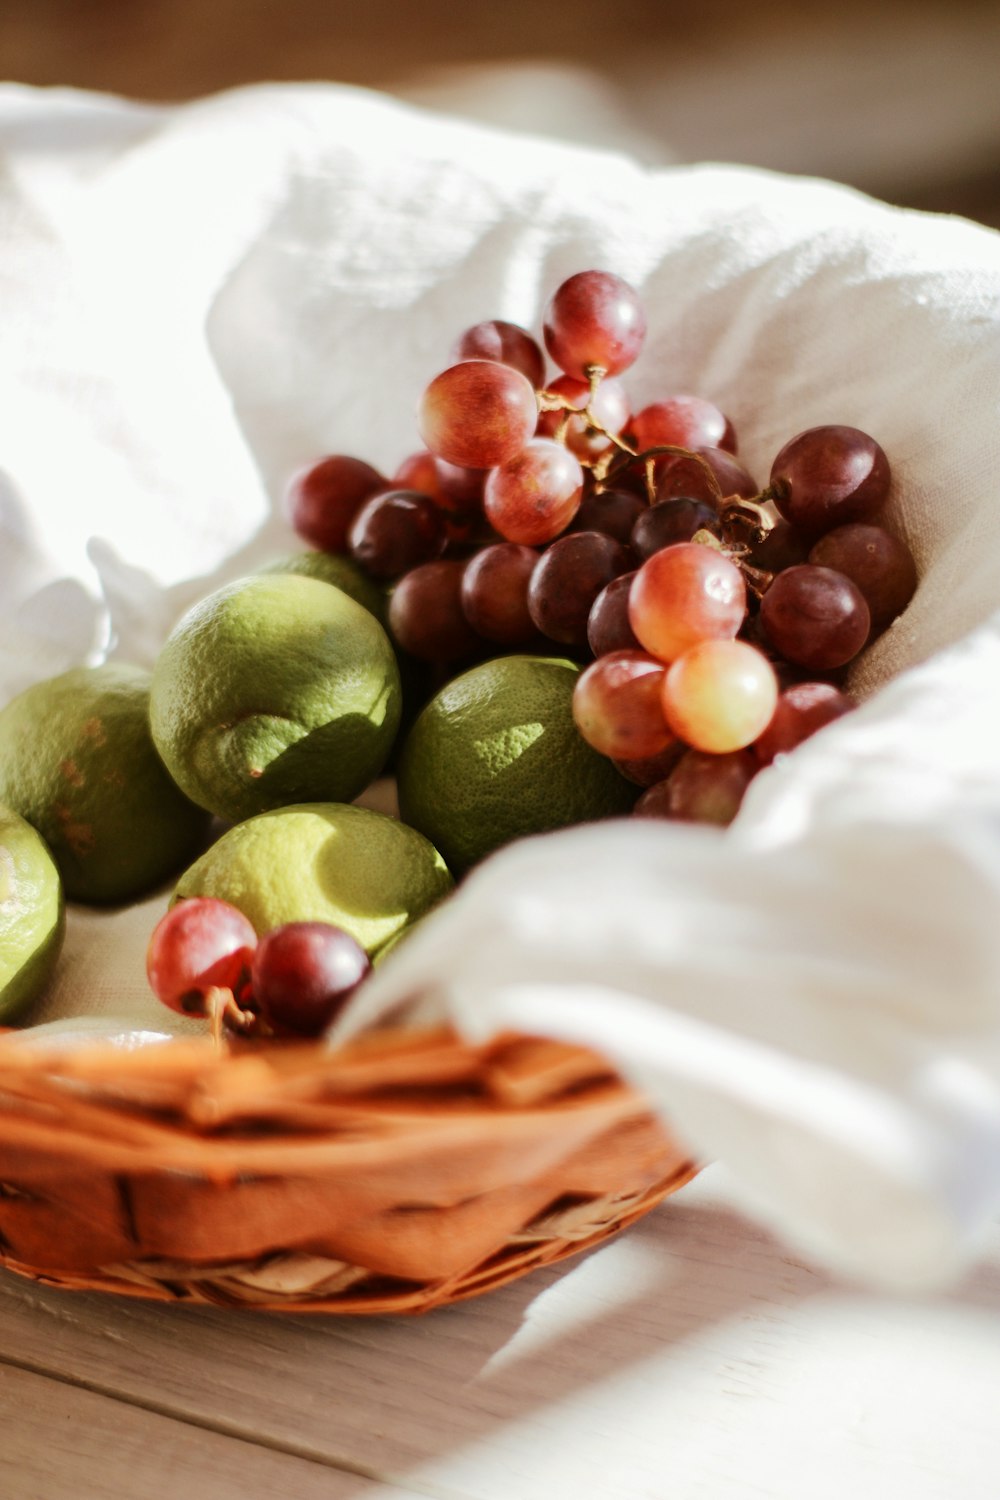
pixel 406 1171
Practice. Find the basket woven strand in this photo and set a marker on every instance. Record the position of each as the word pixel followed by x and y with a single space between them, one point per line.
pixel 402 1172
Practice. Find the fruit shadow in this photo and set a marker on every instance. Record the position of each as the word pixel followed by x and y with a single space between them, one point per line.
pixel 356 737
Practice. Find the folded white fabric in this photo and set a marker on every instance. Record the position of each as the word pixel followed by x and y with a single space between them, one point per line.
pixel 198 299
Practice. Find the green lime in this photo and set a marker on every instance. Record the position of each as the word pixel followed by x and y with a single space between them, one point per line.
pixel 323 862
pixel 496 755
pixel 343 572
pixel 77 761
pixel 275 689
pixel 31 914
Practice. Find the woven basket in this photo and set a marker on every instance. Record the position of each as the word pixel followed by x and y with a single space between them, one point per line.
pixel 402 1172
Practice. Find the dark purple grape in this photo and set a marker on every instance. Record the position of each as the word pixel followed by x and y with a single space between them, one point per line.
pixel 303 974
pixel 706 473
pixel 702 788
pixel 507 344
pixel 608 626
pixel 614 512
pixel 783 547
pixel 322 499
pixel 568 578
pixel 733 478
pixel 460 490
pixel 495 594
pixel 827 476
pixel 879 563
pixel 815 617
pixel 670 521
pixel 426 617
pixel 396 531
pixel 801 710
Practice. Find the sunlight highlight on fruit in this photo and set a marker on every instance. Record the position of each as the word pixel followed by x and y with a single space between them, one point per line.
pixel 720 696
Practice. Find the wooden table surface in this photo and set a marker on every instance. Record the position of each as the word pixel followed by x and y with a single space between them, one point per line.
pixel 692 1357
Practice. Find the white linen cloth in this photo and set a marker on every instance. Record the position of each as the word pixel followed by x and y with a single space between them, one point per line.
pixel 198 299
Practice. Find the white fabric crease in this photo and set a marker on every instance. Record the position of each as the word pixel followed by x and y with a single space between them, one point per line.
pixel 197 299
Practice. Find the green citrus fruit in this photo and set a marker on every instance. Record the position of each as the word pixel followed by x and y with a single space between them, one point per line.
pixel 496 755
pixel 31 914
pixel 77 761
pixel 275 689
pixel 323 862
pixel 342 572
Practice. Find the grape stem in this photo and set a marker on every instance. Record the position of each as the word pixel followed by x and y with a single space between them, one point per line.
pixel 736 512
pixel 220 1003
pixel 758 580
pixel 749 515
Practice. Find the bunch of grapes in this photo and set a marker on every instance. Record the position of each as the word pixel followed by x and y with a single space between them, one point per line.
pixel 717 618
pixel 204 959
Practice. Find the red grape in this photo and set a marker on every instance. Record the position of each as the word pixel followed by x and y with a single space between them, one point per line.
pixel 478 414
pixel 682 422
pixel 608 627
pixel 303 974
pixel 720 695
pixel 535 495
pixel 815 617
pixel 322 499
pixel 418 471
pixel 801 710
pixel 618 706
pixel 396 531
pixel 670 521
pixel 567 580
pixel 495 594
pixel 609 406
pixel 647 771
pixel 458 491
pixel 709 474
pixel 505 343
pixel 594 321
pixel 701 788
pixel 827 476
pixel 879 564
pixel 426 615
pixel 201 944
pixel 685 594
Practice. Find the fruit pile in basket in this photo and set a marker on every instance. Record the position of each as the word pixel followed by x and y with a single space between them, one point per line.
pixel 560 609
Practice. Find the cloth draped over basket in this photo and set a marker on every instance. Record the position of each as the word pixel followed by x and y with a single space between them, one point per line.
pixel 198 299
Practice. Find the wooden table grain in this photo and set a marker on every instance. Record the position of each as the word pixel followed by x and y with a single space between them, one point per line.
pixel 694 1356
